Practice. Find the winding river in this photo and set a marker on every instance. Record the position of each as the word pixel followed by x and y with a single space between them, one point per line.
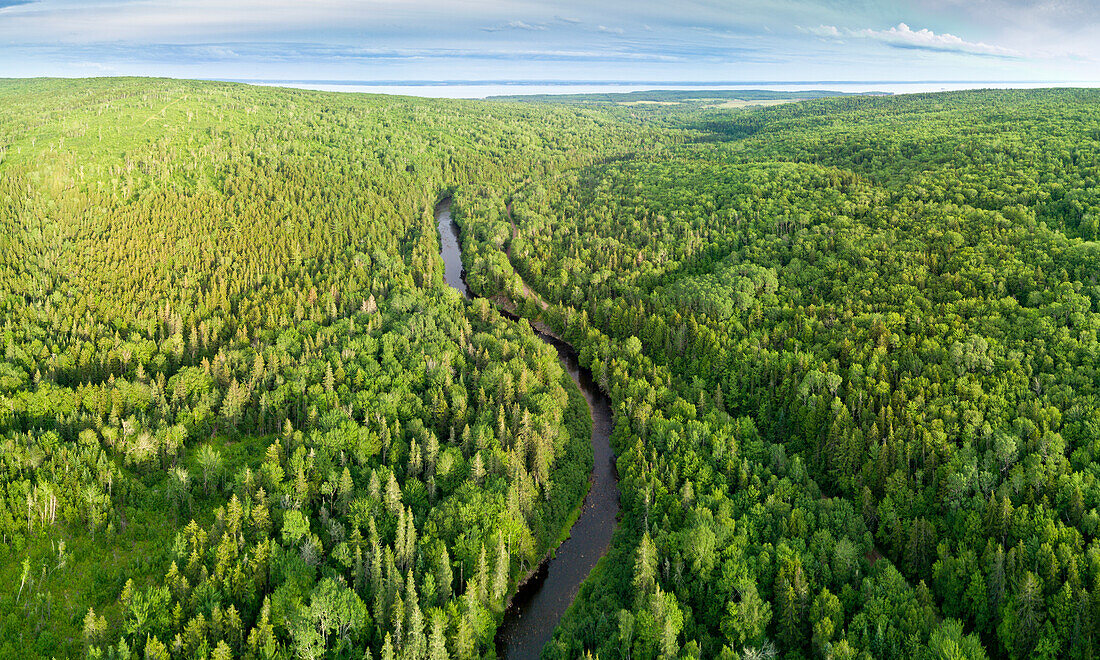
pixel 542 600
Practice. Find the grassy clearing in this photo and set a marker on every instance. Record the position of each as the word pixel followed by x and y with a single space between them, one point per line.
pixel 69 569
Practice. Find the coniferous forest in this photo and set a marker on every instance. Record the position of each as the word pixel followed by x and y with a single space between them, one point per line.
pixel 850 344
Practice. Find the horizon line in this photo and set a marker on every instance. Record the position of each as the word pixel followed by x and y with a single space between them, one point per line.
pixel 560 81
pixel 418 82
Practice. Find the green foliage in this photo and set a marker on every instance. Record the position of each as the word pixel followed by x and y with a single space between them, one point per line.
pixel 850 343
pixel 240 414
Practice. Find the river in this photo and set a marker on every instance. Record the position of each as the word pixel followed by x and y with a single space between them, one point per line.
pixel 540 603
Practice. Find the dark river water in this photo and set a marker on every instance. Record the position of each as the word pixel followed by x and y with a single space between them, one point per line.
pixel 538 607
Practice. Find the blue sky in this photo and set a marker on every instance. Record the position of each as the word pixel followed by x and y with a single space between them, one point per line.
pixel 621 40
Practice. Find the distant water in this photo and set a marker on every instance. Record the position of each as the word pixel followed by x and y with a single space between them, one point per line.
pixel 479 90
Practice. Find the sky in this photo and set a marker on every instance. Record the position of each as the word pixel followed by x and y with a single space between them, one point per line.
pixel 591 40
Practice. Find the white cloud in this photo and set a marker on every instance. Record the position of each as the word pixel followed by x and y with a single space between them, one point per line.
pixel 96 66
pixel 215 51
pixel 516 25
pixel 824 31
pixel 437 39
pixel 902 36
pixel 905 37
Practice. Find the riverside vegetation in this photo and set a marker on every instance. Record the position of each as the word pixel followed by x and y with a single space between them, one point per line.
pixel 850 345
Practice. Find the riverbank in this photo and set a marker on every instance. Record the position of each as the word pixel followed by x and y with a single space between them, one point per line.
pixel 544 595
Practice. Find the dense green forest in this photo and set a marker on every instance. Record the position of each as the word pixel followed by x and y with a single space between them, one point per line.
pixel 241 414
pixel 851 345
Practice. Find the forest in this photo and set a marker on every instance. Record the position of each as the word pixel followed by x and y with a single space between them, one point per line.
pixel 850 344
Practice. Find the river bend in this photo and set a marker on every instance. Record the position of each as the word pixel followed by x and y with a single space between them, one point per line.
pixel 541 601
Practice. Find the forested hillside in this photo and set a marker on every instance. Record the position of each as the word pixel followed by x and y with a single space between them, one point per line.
pixel 851 345
pixel 241 414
